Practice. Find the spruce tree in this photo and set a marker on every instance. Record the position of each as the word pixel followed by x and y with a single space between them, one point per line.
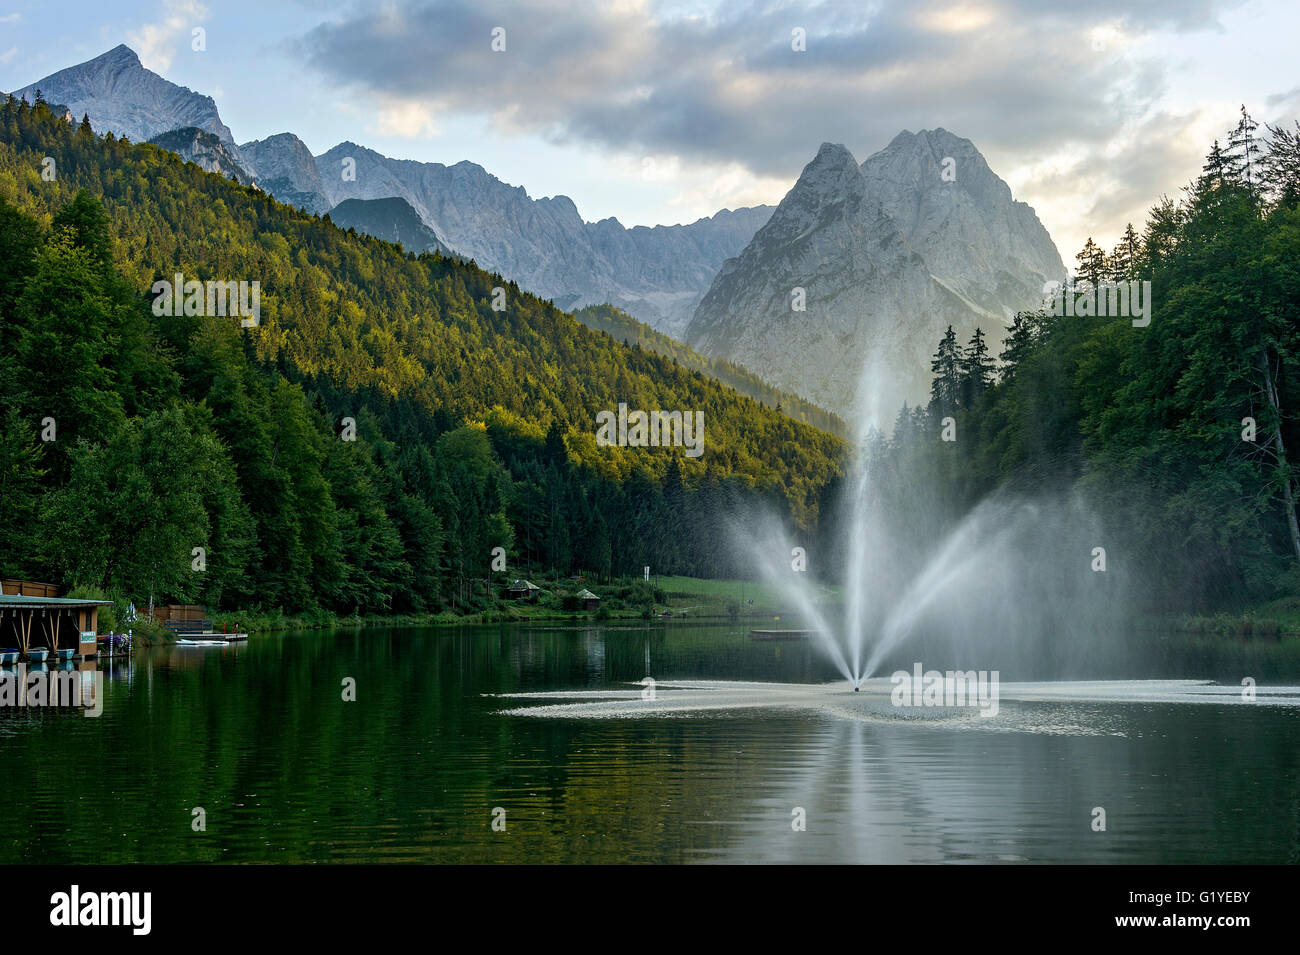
pixel 1123 260
pixel 945 391
pixel 1242 155
pixel 976 368
pixel 1019 342
pixel 1092 263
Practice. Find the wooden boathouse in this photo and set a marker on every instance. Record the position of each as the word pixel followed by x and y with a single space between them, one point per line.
pixel 49 623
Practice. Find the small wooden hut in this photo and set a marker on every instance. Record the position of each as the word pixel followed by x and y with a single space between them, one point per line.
pixel 522 590
pixel 49 623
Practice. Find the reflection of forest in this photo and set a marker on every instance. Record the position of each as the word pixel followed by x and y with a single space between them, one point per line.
pixel 411 770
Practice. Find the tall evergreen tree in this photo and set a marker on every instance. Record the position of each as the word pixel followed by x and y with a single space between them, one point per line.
pixel 1124 259
pixel 1242 154
pixel 945 390
pixel 1092 263
pixel 976 368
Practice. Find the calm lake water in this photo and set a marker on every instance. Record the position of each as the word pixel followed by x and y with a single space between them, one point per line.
pixel 259 736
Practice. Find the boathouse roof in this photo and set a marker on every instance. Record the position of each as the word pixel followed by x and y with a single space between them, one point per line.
pixel 59 603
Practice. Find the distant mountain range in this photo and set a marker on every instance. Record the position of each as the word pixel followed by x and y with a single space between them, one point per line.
pixel 861 268
pixel 887 253
pixel 656 274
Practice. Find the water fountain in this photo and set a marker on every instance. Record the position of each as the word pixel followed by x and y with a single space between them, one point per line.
pixel 1012 589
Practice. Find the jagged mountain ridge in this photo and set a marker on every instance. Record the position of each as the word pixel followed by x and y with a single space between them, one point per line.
pixel 285 168
pixel 205 150
pixel 655 274
pixel 874 244
pixel 888 253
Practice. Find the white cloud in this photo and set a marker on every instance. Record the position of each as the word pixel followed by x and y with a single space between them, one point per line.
pixel 156 43
pixel 1090 115
pixel 408 119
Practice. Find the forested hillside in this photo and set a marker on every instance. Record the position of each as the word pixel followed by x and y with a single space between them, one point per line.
pixel 630 331
pixel 1181 434
pixel 474 428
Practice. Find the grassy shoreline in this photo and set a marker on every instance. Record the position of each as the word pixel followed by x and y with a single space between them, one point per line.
pixel 661 599
pixel 682 599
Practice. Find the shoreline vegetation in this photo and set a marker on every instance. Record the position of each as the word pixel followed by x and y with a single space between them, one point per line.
pixel 683 600
pixel 664 599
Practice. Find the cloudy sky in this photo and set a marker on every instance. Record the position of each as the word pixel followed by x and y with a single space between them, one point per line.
pixel 661 112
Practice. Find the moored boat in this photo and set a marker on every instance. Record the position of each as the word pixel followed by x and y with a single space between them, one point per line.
pixel 9 655
pixel 37 656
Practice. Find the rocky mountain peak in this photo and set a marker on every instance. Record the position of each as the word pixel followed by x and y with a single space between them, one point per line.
pixel 922 235
pixel 118 58
pixel 829 181
pixel 832 170
pixel 124 98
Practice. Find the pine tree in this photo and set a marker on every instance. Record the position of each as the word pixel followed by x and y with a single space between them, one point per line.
pixel 1123 260
pixel 1280 165
pixel 1092 263
pixel 902 432
pixel 1241 157
pixel 976 368
pixel 945 391
pixel 1216 172
pixel 1019 342
pixel 1164 227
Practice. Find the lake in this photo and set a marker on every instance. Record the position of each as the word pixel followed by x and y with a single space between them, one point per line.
pixel 419 765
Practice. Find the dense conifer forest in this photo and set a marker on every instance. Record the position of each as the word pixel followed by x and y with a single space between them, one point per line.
pixel 128 440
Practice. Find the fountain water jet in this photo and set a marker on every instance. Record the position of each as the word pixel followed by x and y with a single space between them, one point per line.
pixel 1011 578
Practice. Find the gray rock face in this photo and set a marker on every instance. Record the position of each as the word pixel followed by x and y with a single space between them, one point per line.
pixel 204 150
pixel 888 254
pixel 655 274
pixel 285 168
pixel 124 98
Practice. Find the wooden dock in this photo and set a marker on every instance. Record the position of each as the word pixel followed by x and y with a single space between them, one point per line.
pixel 779 634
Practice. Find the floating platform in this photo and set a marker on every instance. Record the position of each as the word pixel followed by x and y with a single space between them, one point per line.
pixel 779 634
